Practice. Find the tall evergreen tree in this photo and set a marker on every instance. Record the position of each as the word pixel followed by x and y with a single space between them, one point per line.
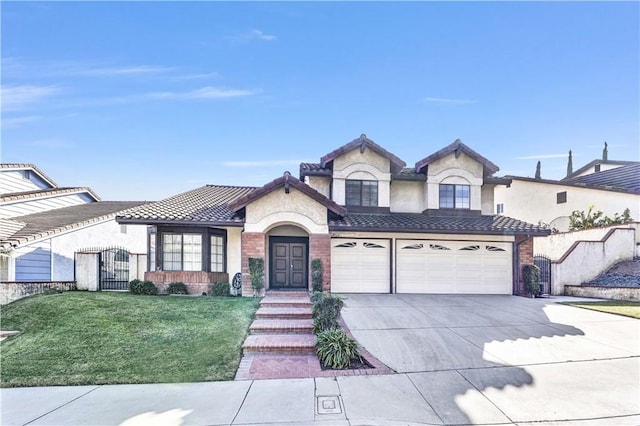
pixel 570 164
pixel 538 170
pixel 605 152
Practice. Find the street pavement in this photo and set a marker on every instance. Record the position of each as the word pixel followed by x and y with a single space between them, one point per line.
pixel 458 359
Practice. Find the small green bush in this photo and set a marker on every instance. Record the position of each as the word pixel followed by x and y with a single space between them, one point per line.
pixel 531 278
pixel 316 296
pixel 329 304
pixel 143 287
pixel 220 289
pixel 316 274
pixel 335 349
pixel 325 320
pixel 177 288
pixel 135 286
pixel 256 270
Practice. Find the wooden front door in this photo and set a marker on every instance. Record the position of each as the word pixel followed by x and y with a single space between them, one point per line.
pixel 288 263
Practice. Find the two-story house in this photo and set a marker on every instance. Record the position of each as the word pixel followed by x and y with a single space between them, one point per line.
pixel 377 227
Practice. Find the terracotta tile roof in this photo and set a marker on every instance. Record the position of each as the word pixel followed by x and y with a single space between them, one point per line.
pixel 52 222
pixel 207 205
pixel 421 223
pixel 364 142
pixel 623 177
pixel 42 193
pixel 458 146
pixel 313 169
pixel 286 181
pixel 26 166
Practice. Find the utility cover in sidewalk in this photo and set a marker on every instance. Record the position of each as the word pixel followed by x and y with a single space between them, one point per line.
pixel 329 405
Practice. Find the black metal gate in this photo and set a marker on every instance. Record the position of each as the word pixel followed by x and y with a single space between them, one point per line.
pixel 544 263
pixel 114 269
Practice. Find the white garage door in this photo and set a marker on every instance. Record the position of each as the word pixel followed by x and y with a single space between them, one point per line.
pixel 360 266
pixel 477 267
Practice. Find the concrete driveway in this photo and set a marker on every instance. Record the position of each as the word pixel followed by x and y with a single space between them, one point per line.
pixel 502 359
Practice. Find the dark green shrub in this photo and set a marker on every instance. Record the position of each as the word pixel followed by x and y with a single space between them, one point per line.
pixel 135 286
pixel 335 349
pixel 316 296
pixel 256 269
pixel 220 289
pixel 143 287
pixel 177 288
pixel 316 274
pixel 326 311
pixel 531 278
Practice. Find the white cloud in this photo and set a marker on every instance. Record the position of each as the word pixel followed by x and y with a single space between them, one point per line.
pixel 254 34
pixel 13 122
pixel 207 92
pixel 543 156
pixel 264 163
pixel 449 101
pixel 124 71
pixel 196 76
pixel 18 97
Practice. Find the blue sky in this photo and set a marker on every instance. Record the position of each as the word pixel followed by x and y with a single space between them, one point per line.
pixel 145 100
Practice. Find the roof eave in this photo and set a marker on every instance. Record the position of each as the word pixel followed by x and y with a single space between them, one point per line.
pixel 347 228
pixel 181 222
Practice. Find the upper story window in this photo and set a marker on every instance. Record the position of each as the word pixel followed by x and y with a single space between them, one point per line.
pixel 500 208
pixel 362 193
pixel 455 196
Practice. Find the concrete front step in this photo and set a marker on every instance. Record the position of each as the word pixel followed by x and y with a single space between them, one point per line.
pixel 265 312
pixel 285 302
pixel 281 326
pixel 281 343
pixel 280 293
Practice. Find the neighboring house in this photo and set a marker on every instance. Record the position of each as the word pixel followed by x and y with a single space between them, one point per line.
pixel 42 226
pixel 377 227
pixel 609 186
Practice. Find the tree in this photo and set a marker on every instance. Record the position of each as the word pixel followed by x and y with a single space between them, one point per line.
pixel 605 152
pixel 538 170
pixel 570 164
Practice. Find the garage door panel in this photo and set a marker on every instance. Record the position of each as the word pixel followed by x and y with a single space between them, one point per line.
pixel 360 266
pixel 453 267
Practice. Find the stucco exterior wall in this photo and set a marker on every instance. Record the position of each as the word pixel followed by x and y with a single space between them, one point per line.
pixel 279 208
pixel 588 259
pixel 367 165
pixel 486 194
pixel 321 184
pixel 536 201
pixel 234 251
pixel 105 234
pixel 603 167
pixel 406 197
pixel 463 170
pixel 555 246
pixel 631 294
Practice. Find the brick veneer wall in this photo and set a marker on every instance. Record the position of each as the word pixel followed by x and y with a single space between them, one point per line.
pixel 525 257
pixel 320 248
pixel 253 245
pixel 197 282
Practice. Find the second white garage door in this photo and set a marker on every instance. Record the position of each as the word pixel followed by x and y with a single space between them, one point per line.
pixel 360 266
pixel 477 267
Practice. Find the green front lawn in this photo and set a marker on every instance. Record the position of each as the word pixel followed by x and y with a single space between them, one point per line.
pixel 81 338
pixel 618 307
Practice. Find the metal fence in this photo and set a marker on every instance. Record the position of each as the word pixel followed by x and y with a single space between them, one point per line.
pixel 544 263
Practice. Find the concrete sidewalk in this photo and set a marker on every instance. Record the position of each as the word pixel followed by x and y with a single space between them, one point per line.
pixel 460 360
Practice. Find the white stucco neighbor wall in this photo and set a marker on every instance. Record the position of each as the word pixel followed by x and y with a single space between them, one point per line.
pixel 536 201
pixel 406 197
pixel 367 165
pixel 463 170
pixel 588 259
pixel 279 208
pixel 555 246
pixel 603 167
pixel 88 271
pixel 486 195
pixel 105 234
